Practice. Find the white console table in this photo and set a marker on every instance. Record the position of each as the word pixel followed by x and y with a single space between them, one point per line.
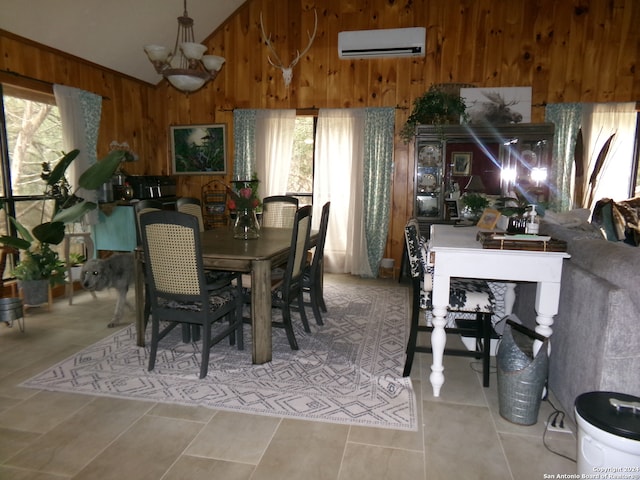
pixel 457 253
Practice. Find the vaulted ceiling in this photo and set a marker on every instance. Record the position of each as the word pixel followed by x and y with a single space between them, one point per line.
pixel 112 33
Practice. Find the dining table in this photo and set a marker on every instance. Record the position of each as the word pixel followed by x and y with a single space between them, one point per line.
pixel 221 251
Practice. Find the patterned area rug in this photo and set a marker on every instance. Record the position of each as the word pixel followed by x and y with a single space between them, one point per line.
pixel 348 371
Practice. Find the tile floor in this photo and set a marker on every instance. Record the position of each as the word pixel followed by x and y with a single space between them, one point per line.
pixel 47 436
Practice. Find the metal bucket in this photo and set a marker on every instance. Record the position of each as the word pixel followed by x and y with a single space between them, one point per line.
pixel 11 310
pixel 521 377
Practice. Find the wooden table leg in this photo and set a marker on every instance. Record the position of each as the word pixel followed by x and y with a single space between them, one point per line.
pixel 261 310
pixel 139 290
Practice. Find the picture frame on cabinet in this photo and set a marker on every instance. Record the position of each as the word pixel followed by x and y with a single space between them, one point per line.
pixel 199 149
pixel 489 219
pixel 461 163
pixel 451 209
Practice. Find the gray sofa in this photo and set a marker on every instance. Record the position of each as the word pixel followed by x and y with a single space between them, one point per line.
pixel 596 335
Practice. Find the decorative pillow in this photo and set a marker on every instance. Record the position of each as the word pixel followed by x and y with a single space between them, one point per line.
pixel 618 220
pixel 603 219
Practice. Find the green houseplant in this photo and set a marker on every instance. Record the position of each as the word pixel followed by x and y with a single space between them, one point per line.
pixel 474 203
pixel 38 261
pixel 437 106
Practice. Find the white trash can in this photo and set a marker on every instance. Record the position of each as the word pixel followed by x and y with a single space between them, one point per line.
pixel 608 437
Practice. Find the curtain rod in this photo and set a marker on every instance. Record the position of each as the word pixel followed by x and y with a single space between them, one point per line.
pixel 38 80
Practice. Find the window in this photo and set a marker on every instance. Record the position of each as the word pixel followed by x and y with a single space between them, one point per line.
pixel 300 181
pixel 31 134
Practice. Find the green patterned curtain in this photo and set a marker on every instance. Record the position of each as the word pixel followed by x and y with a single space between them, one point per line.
pixel 567 120
pixel 378 171
pixel 244 135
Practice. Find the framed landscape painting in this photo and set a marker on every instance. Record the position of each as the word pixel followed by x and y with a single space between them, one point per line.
pixel 199 149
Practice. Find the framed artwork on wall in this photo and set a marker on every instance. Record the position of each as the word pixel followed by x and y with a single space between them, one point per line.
pixel 199 149
pixel 461 163
pixel 496 106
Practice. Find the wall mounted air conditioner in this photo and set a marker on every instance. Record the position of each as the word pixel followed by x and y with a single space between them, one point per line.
pixel 393 42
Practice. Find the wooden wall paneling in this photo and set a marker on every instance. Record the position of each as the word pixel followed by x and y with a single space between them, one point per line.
pixel 542 39
pixel 522 36
pixel 626 64
pixel 449 29
pixel 567 51
pixel 478 27
pixel 332 97
pixel 376 79
pixel 254 67
pixel 321 67
pixel 610 31
pixel 580 33
pixel 494 42
pixel 305 73
pixel 559 53
pixel 465 49
pixel 433 49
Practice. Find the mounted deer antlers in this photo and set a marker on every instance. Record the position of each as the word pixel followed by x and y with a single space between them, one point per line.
pixel 287 72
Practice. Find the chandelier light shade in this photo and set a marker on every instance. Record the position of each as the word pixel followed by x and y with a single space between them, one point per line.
pixel 194 68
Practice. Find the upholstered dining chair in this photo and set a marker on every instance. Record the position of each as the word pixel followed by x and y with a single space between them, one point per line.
pixel 312 278
pixel 465 296
pixel 287 287
pixel 193 207
pixel 278 211
pixel 178 289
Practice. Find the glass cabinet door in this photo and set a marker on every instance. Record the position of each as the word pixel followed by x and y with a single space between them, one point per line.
pixel 429 180
pixel 494 160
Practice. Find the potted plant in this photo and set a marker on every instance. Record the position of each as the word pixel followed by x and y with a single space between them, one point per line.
pixel 38 261
pixel 38 270
pixel 75 261
pixel 437 106
pixel 474 205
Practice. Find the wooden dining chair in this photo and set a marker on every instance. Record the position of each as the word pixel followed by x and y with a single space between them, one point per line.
pixel 287 288
pixel 178 289
pixel 313 272
pixel 142 207
pixel 193 207
pixel 278 211
pixel 465 296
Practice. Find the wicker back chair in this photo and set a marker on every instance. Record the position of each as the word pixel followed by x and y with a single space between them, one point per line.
pixel 141 207
pixel 177 284
pixel 286 287
pixel 192 206
pixel 278 211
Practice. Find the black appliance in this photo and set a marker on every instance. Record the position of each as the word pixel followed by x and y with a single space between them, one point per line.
pixel 151 186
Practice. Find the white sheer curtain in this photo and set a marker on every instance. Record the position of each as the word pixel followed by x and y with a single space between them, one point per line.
pixel 274 149
pixel 338 178
pixel 80 115
pixel 599 122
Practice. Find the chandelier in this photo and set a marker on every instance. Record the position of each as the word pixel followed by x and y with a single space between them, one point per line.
pixel 194 68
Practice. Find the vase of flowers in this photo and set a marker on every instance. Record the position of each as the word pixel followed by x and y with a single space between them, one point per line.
pixel 244 201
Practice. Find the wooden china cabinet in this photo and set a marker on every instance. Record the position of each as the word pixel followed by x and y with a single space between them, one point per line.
pixel 499 158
